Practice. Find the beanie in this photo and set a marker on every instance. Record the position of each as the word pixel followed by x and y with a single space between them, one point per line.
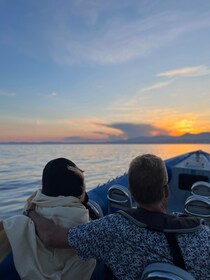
pixel 62 177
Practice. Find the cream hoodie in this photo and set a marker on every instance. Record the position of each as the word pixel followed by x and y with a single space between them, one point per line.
pixel 32 259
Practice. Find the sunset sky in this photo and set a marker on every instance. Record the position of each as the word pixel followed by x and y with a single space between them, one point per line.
pixel 103 70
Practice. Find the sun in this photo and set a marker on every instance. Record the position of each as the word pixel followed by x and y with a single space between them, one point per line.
pixel 184 126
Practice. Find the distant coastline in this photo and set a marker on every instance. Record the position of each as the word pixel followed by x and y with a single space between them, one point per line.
pixel 201 138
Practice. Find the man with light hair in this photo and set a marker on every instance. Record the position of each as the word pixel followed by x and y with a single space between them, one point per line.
pixel 148 180
pixel 128 241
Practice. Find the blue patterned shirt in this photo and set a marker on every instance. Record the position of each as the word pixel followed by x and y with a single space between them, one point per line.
pixel 127 249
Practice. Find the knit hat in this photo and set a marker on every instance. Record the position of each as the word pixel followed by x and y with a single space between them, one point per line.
pixel 62 177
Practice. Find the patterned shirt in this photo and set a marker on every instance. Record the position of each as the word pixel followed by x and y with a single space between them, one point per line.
pixel 127 248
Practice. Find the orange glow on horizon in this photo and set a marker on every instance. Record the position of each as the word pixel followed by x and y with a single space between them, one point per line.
pixel 183 126
pixel 72 130
pixel 177 126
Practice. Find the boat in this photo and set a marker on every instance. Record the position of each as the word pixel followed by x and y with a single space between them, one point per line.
pixel 184 171
pixel 189 187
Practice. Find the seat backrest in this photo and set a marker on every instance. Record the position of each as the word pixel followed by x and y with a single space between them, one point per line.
pixel 201 188
pixel 119 198
pixel 165 271
pixel 95 210
pixel 197 205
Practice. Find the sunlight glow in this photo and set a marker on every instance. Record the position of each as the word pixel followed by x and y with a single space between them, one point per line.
pixel 184 126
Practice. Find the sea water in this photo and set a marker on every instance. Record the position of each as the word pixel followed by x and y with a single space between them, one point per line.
pixel 21 165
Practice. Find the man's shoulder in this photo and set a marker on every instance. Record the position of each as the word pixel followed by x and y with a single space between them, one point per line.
pixel 159 221
pixel 201 237
pixel 204 229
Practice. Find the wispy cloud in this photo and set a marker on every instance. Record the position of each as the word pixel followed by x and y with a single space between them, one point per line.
pixel 200 70
pixel 90 11
pixel 8 94
pixel 53 94
pixel 102 32
pixel 156 86
pixel 120 40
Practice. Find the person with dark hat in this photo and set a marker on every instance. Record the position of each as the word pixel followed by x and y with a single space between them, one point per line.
pixel 61 176
pixel 61 199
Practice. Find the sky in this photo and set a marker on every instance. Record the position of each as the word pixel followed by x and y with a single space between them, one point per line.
pixel 95 70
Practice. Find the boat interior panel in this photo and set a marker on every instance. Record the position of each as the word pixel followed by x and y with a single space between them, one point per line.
pixel 183 175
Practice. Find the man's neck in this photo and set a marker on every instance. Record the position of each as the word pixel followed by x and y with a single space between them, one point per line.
pixel 153 208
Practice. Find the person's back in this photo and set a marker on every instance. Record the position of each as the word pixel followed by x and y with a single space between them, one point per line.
pixel 61 197
pixel 129 242
pixel 127 248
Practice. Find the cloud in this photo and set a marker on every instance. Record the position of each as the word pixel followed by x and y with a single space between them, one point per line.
pixel 76 139
pixel 117 131
pixel 156 86
pixel 200 70
pixel 131 130
pixel 126 40
pixel 90 11
pixel 119 39
pixel 8 94
pixel 89 130
pixel 95 136
pixel 96 130
pixel 103 32
pixel 53 94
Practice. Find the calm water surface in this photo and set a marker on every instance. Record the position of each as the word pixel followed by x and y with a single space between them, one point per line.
pixel 21 166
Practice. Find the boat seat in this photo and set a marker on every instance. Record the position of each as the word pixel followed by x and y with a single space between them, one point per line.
pixel 198 205
pixel 119 198
pixel 201 188
pixel 95 210
pixel 165 271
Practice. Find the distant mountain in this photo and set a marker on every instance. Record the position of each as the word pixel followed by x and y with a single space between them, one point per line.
pixel 187 138
pixel 202 138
